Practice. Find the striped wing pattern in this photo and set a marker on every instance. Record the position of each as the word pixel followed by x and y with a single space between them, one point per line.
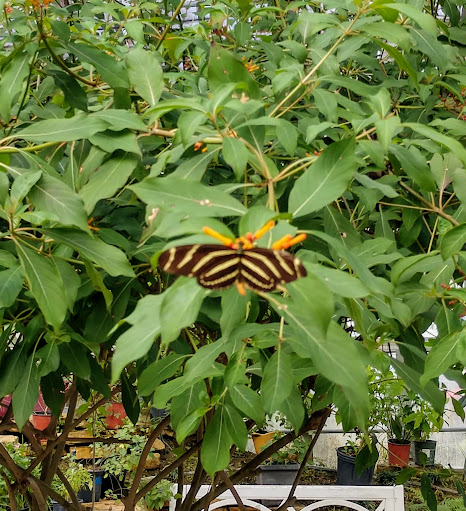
pixel 219 267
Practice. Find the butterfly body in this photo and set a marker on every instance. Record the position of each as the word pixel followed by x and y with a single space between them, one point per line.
pixel 219 267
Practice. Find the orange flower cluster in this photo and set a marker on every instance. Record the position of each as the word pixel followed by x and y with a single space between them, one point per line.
pixel 199 145
pixel 250 66
pixel 40 3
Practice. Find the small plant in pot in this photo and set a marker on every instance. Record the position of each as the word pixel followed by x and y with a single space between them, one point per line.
pixel 399 441
pixel 356 461
pixel 423 421
pixel 78 477
pixel 159 496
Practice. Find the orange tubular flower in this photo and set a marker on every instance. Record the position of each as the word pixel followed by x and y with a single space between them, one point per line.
pixel 226 241
pixel 269 225
pixel 240 287
pixel 288 241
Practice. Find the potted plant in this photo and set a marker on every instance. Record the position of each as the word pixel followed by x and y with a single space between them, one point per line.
pixel 41 416
pixel 115 413
pixel 400 434
pixel 159 496
pixel 356 462
pixel 423 421
pixel 261 438
pixel 78 477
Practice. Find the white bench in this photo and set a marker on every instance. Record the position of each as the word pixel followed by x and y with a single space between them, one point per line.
pixel 388 498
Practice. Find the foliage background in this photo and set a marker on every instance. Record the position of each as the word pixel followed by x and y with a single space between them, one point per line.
pixel 126 130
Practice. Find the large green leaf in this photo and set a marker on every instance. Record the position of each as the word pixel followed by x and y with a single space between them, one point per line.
pixel 45 284
pixel 234 310
pixel 276 383
pixel 215 451
pixel 12 81
pixel 108 178
pixel 54 196
pixel 26 393
pixel 110 258
pixel 453 241
pixel 137 340
pixel 13 367
pixel 293 408
pixel 145 74
pixel 11 283
pixel 74 93
pixel 159 371
pixel 443 355
pixel 111 70
pixel 248 402
pixel 74 356
pixel 62 130
pixel 325 180
pixel 194 199
pixel 186 295
pixel 194 397
pixel 130 398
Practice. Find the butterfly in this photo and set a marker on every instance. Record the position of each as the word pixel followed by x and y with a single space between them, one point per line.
pixel 237 262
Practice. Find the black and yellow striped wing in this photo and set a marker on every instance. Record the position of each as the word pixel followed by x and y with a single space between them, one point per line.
pixel 219 267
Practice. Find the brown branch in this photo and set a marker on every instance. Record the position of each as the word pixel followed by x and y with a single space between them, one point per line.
pixel 166 471
pixel 66 431
pixel 250 467
pixel 290 499
pixel 10 490
pixel 41 503
pixel 180 481
pixel 44 488
pixel 131 498
pixel 198 478
pixel 233 491
pixel 69 488
pixel 16 472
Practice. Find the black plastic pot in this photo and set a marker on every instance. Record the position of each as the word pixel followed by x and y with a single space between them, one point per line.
pixel 112 483
pixel 277 474
pixel 346 471
pixel 424 452
pixel 86 495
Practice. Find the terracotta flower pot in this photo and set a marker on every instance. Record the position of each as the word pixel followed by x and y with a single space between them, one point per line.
pixel 398 452
pixel 260 439
pixel 115 415
pixel 40 420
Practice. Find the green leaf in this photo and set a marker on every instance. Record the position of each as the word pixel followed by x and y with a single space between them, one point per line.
pixel 145 74
pixel 11 283
pixel 159 371
pixel 425 21
pixel 110 258
pixel 186 295
pixel 22 185
pixel 74 356
pixel 13 367
pixel 118 120
pixel 25 395
pixel 194 397
pixel 49 358
pixel 108 179
pixel 453 241
pixel 215 451
pixel 62 130
pixel 53 390
pixel 326 103
pixel 293 408
pixel 415 166
pixel 287 135
pixel 189 424
pixel 449 142
pixel 112 71
pixel 443 355
pixel 428 493
pixel 325 180
pixel 236 427
pixel 430 46
pixel 430 392
pixel 236 155
pixel 45 284
pixel 130 399
pixel 4 187
pixel 248 402
pixel 71 281
pixel 74 93
pixel 338 281
pixel 12 82
pixel 193 169
pixel 54 196
pixel 137 340
pixel 401 61
pixel 111 141
pixel 194 199
pixel 97 280
pixel 234 310
pixel 276 383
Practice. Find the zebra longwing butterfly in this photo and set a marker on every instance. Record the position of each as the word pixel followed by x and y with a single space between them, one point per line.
pixel 219 267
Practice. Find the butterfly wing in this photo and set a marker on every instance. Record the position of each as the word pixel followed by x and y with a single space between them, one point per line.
pixel 214 266
pixel 263 269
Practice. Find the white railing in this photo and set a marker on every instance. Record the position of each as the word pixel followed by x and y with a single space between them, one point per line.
pixel 387 498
